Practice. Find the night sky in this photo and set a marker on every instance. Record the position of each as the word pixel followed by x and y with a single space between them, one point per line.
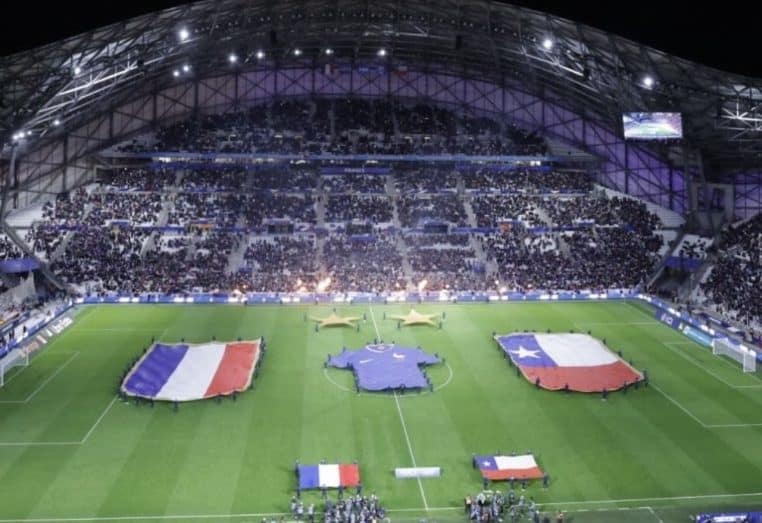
pixel 725 38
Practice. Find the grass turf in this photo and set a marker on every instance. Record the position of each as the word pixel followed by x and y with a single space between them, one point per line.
pixel 69 449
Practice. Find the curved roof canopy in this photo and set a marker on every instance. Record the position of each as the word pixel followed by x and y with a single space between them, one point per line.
pixel 598 74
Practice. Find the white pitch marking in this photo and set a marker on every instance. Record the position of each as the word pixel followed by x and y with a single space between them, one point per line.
pixel 100 418
pixel 410 449
pixel 653 513
pixel 49 378
pixel 402 419
pixel 708 371
pixel 678 405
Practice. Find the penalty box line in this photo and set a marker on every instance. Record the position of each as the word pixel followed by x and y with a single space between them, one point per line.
pixel 671 346
pixel 63 443
pixel 402 419
pixel 698 420
pixel 42 385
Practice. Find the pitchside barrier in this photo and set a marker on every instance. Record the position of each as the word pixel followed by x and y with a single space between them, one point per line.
pixel 40 328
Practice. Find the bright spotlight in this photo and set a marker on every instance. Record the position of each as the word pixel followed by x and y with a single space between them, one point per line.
pixel 186 68
pixel 232 58
pixel 381 52
pixel 297 52
pixel 329 51
pixel 260 54
pixel 77 70
pixel 56 122
pixel 323 284
pixel 648 81
pixel 547 44
pixel 175 73
pixel 184 34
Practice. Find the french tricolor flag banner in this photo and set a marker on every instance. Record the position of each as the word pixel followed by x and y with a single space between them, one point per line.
pixel 328 476
pixel 577 361
pixel 507 467
pixel 185 372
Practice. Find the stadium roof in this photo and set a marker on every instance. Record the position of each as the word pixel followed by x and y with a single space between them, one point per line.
pixel 66 83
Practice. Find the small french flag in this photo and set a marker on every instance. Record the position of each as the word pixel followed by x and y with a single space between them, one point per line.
pixel 328 476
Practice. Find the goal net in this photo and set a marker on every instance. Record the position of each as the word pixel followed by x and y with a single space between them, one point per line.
pixel 743 355
pixel 15 358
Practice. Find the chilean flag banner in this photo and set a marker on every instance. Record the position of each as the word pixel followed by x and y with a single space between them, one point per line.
pixel 328 476
pixel 185 372
pixel 507 467
pixel 577 361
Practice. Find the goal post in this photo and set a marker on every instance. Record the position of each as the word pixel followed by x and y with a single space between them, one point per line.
pixel 15 358
pixel 739 352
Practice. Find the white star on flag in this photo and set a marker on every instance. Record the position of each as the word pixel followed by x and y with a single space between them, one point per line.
pixel 526 353
pixel 486 463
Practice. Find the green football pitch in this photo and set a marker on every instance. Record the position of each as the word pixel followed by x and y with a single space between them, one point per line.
pixel 70 450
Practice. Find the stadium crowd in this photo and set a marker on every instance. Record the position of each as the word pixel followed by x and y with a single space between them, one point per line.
pixel 734 286
pixel 344 126
pixel 164 240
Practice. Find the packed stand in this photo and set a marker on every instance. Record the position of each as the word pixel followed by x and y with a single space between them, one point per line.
pixel 527 181
pixel 492 210
pixel 427 180
pixel 599 258
pixel 8 249
pixel 140 179
pixel 363 264
pixel 735 283
pixel 416 211
pixel 354 183
pixel 348 208
pixel 282 264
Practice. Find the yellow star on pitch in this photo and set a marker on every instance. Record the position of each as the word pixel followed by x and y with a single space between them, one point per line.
pixel 415 318
pixel 334 320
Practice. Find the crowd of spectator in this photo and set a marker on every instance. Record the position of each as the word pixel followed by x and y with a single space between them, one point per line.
pixel 354 184
pixel 140 179
pixel 416 211
pixel 735 283
pixel 363 263
pixel 344 126
pixel 8 249
pixel 525 180
pixel 426 180
pixel 492 210
pixel 376 209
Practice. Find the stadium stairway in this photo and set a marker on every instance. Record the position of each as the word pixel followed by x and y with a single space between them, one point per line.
pixel 476 244
pixel 236 260
pixel 470 214
pixel 26 249
pixel 543 215
pixel 659 269
pixel 320 248
pixel 406 266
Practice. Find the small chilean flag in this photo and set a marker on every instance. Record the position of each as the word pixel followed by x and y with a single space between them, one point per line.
pixel 507 467
pixel 328 476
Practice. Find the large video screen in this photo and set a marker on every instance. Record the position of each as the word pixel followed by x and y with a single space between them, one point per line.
pixel 652 126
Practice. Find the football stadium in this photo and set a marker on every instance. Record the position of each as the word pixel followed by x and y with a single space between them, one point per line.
pixel 363 262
